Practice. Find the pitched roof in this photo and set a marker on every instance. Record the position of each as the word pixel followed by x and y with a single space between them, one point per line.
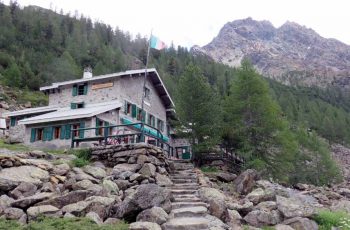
pixel 69 114
pixel 152 74
pixel 30 111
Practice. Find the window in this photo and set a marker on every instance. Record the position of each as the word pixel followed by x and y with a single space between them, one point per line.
pixel 56 132
pixel 139 114
pixel 77 105
pixel 160 125
pixel 127 108
pixel 80 105
pixel 151 120
pixel 39 134
pixel 147 93
pixel 79 89
pixel 76 132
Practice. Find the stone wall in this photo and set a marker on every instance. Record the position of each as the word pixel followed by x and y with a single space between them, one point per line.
pixel 16 134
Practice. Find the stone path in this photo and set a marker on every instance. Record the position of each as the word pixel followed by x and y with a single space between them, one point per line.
pixel 188 210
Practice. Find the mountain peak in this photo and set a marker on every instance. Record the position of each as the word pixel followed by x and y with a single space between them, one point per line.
pixel 277 52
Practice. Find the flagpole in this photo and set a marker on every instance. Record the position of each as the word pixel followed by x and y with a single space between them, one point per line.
pixel 143 89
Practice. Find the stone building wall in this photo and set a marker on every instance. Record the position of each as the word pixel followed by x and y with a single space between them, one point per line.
pixel 16 134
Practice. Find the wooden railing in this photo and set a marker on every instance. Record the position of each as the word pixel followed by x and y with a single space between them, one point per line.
pixel 137 134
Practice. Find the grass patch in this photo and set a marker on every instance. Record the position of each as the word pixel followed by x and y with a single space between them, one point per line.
pixel 45 223
pixel 83 157
pixel 14 147
pixel 209 169
pixel 327 219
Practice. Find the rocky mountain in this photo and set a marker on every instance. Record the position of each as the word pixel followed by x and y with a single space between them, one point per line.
pixel 292 54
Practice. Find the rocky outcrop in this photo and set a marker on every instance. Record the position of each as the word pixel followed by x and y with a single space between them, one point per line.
pixel 292 54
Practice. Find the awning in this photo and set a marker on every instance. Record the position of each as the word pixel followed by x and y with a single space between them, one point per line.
pixel 148 130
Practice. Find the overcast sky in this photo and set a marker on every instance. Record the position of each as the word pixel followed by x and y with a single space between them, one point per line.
pixel 195 22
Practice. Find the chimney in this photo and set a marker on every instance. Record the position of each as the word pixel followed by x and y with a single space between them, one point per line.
pixel 87 72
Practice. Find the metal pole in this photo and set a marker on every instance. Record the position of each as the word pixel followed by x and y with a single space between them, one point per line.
pixel 144 85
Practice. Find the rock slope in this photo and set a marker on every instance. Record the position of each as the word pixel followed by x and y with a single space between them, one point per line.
pixel 292 54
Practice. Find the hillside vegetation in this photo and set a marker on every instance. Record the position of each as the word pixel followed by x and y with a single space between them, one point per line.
pixel 39 46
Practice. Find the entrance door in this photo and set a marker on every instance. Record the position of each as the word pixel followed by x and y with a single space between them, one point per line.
pixel 186 153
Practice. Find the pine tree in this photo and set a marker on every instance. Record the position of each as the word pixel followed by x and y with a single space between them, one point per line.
pixel 198 110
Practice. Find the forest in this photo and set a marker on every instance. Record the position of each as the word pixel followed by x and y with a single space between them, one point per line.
pixel 39 46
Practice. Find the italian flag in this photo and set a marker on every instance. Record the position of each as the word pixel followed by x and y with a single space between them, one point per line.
pixel 157 44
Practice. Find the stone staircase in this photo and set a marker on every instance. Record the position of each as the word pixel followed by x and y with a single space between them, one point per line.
pixel 188 211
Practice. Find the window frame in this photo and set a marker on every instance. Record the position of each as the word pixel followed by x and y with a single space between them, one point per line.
pixel 56 132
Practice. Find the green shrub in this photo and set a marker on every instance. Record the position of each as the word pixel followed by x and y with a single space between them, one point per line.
pixel 10 224
pixel 83 157
pixel 209 169
pixel 327 219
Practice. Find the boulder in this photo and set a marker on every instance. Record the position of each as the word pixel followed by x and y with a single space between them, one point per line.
pixel 123 184
pixel 43 210
pixel 110 186
pixel 216 200
pixel 341 205
pixel 266 205
pixel 24 189
pixel 245 182
pixel 112 220
pixel 77 209
pixel 61 169
pixel 69 198
pixel 233 217
pixel 12 177
pixel 293 207
pixel 146 196
pixel 31 200
pixel 86 185
pixel 81 175
pixel 155 215
pixel 345 192
pixel 148 170
pixel 163 180
pixel 42 164
pixel 258 195
pixel 226 177
pixel 283 227
pixel 243 207
pixel 259 218
pixel 124 175
pixel 215 223
pixel 300 223
pixel 5 201
pixel 144 226
pixel 96 172
pixel 94 217
pixel 125 167
pixel 14 214
pixel 137 177
pixel 142 159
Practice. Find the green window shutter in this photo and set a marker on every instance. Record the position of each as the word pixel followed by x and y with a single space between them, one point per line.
pixel 49 133
pixel 13 121
pixel 63 132
pixel 68 131
pixel 75 90
pixel 81 132
pixel 85 89
pixel 32 135
pixel 153 122
pixel 143 118
pixel 73 105
pixel 148 119
pixel 133 111
pixel 45 134
pixel 97 126
pixel 125 107
pixel 106 131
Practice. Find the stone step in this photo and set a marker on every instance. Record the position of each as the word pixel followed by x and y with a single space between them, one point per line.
pixel 186 223
pixel 193 187
pixel 184 185
pixel 183 191
pixel 175 205
pixel 183 176
pixel 182 181
pixel 189 212
pixel 187 199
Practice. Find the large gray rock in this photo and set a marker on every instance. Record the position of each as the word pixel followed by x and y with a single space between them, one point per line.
pixel 300 223
pixel 146 196
pixel 12 177
pixel 283 227
pixel 94 217
pixel 5 201
pixel 243 207
pixel 14 214
pixel 259 218
pixel 81 175
pixel 144 226
pixel 69 198
pixel 86 185
pixel 43 210
pixel 216 200
pixel 233 218
pixel 31 200
pixel 293 207
pixel 96 172
pixel 23 190
pixel 163 180
pixel 259 195
pixel 125 167
pixel 341 205
pixel 110 186
pixel 123 184
pixel 245 182
pixel 142 159
pixel 61 169
pixel 148 170
pixel 155 215
pixel 226 177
